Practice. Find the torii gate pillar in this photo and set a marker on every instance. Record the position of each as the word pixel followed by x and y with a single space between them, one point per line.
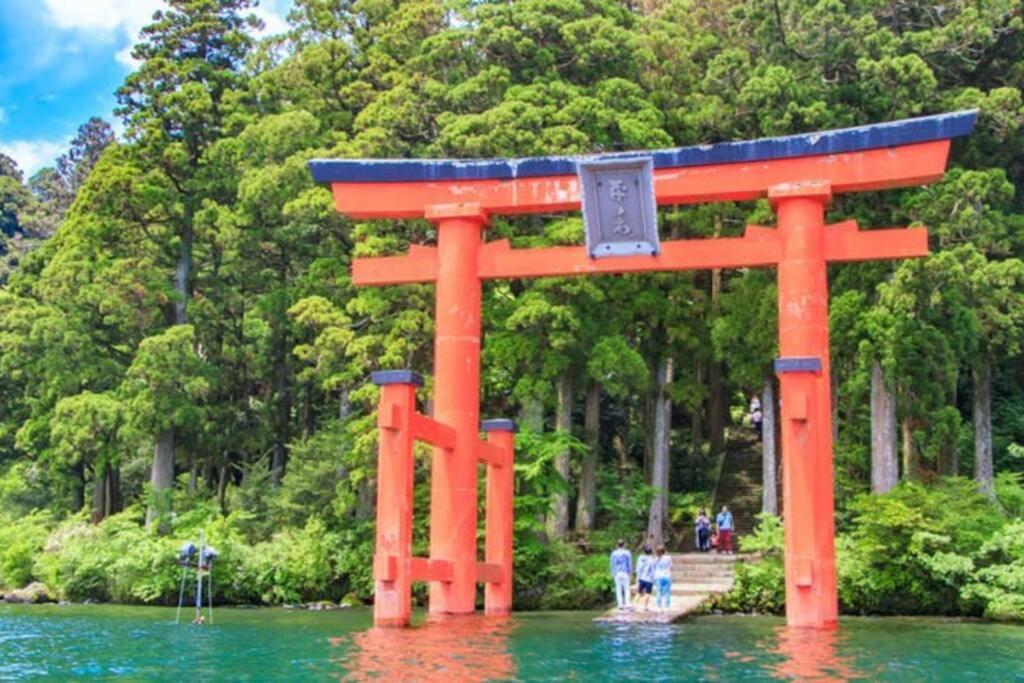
pixel 811 598
pixel 453 476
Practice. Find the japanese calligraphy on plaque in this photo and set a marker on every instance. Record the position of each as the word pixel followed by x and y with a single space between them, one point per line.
pixel 619 212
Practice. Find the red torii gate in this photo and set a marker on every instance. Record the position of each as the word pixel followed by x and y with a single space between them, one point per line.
pixel 799 174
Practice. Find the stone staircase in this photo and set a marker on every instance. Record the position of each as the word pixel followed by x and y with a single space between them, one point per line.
pixel 695 578
pixel 739 486
pixel 698 576
pixel 702 573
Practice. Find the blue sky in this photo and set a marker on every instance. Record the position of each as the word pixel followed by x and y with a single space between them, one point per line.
pixel 60 63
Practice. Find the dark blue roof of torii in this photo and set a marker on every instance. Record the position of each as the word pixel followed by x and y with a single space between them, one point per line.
pixel 860 138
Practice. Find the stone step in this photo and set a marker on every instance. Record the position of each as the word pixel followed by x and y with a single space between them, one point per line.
pixel 706 581
pixel 713 567
pixel 685 575
pixel 694 589
pixel 721 569
pixel 692 559
pixel 700 590
pixel 702 581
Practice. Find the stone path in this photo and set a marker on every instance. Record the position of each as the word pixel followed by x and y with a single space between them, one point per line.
pixel 695 578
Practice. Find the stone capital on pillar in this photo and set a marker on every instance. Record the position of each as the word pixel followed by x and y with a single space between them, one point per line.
pixel 499 425
pixel 436 213
pixel 386 377
pixel 810 189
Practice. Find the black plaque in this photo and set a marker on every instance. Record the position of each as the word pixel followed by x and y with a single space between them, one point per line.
pixel 620 215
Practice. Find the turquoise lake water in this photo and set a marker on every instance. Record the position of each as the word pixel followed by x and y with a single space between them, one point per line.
pixel 102 642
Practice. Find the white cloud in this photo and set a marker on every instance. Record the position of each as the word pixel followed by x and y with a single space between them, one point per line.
pixel 273 23
pixel 124 56
pixel 33 155
pixel 102 15
pixel 125 18
pixel 117 123
pixel 102 18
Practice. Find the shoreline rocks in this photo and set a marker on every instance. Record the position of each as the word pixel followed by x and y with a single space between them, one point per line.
pixel 33 594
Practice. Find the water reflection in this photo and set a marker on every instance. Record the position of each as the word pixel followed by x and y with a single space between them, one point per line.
pixel 469 648
pixel 810 654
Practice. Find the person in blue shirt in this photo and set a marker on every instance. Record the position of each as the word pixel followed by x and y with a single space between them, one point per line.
pixel 645 577
pixel 622 569
pixel 724 522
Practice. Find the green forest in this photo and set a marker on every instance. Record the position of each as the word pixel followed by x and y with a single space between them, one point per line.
pixel 182 349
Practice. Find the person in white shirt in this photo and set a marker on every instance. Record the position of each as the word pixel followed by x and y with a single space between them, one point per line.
pixel 645 577
pixel 757 417
pixel 622 566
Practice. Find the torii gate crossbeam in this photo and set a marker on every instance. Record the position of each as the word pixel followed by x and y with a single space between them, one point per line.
pixel 799 174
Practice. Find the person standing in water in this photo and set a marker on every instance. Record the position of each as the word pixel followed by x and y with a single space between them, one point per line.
pixel 645 577
pixel 622 567
pixel 663 578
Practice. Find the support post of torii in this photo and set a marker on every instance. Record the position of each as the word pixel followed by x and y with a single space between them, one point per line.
pixel 803 368
pixel 799 174
pixel 452 567
pixel 453 476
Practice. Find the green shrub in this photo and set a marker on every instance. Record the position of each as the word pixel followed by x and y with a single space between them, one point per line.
pixel 558 576
pixel 1010 493
pixel 231 569
pixel 21 541
pixel 119 560
pixel 355 559
pixel 140 566
pixel 297 565
pixel 908 552
pixel 914 550
pixel 768 537
pixel 75 562
pixel 999 585
pixel 759 586
pixel 575 580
